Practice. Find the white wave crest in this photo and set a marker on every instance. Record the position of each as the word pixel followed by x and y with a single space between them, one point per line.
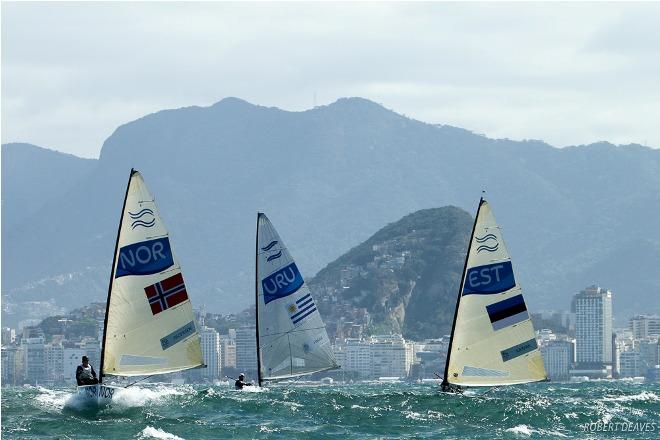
pixel 264 428
pixel 413 415
pixel 252 389
pixel 643 396
pixel 138 396
pixel 522 430
pixel 526 431
pixel 151 432
pixel 52 399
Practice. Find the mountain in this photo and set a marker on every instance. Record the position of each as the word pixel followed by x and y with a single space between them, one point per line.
pixel 328 177
pixel 33 176
pixel 405 277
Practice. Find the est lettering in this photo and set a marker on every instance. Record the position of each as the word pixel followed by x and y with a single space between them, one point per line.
pixel 485 275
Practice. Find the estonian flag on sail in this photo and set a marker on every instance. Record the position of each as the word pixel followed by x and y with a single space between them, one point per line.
pixel 166 293
pixel 301 309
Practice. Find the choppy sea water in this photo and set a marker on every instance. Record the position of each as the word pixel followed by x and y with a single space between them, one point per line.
pixel 375 411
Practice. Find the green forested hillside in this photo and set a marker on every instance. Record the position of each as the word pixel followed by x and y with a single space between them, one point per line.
pixel 405 276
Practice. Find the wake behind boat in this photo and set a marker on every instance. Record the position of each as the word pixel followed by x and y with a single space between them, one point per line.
pixel 149 324
pixel 492 341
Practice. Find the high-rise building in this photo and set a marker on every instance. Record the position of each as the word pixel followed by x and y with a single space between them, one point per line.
pixel 246 350
pixel 33 362
pixel 211 351
pixel 593 332
pixel 228 348
pixel 8 367
pixel 645 326
pixel 54 356
pixel 557 358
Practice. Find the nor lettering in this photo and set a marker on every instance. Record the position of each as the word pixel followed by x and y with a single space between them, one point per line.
pixel 143 255
pixel 144 258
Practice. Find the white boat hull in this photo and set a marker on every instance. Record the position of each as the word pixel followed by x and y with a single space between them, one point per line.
pixel 99 394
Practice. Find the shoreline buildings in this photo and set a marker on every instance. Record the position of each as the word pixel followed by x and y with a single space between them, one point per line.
pixel 574 345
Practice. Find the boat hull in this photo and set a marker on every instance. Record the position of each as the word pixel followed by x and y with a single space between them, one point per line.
pixel 98 394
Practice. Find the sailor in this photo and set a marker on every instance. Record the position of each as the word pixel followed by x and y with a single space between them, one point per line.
pixel 85 374
pixel 240 382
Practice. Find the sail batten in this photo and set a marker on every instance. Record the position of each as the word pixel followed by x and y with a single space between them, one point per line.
pixel 149 326
pixel 292 340
pixel 493 341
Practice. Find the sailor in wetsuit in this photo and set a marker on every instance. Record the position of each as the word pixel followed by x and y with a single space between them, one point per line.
pixel 85 374
pixel 240 382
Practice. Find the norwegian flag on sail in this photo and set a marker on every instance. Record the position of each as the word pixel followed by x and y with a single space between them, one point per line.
pixel 166 293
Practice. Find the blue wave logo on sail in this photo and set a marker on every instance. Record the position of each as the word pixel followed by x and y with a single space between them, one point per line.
pixel 139 218
pixel 489 279
pixel 274 256
pixel 282 283
pixel 484 245
pixel 144 258
pixel 269 246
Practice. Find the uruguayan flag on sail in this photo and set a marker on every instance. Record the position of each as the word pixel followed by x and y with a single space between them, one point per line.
pixel 301 309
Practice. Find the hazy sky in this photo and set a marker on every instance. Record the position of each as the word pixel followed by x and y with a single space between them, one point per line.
pixel 565 73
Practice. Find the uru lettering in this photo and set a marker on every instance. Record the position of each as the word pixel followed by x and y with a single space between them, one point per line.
pixel 281 283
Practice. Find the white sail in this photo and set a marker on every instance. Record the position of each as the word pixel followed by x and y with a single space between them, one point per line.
pixel 493 341
pixel 292 337
pixel 150 327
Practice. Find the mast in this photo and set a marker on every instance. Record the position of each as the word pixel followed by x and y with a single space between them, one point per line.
pixel 112 276
pixel 256 298
pixel 445 380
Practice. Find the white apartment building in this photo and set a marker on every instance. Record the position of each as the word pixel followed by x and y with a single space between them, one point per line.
pixel 645 326
pixel 557 358
pixel 33 362
pixel 389 356
pixel 378 356
pixel 8 367
pixel 357 358
pixel 54 357
pixel 211 352
pixel 630 364
pixel 593 328
pixel 246 350
pixel 228 349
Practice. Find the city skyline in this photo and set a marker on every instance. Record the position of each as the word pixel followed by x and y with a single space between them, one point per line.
pixel 574 345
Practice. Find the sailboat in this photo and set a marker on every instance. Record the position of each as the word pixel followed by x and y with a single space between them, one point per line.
pixel 291 336
pixel 492 339
pixel 149 325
